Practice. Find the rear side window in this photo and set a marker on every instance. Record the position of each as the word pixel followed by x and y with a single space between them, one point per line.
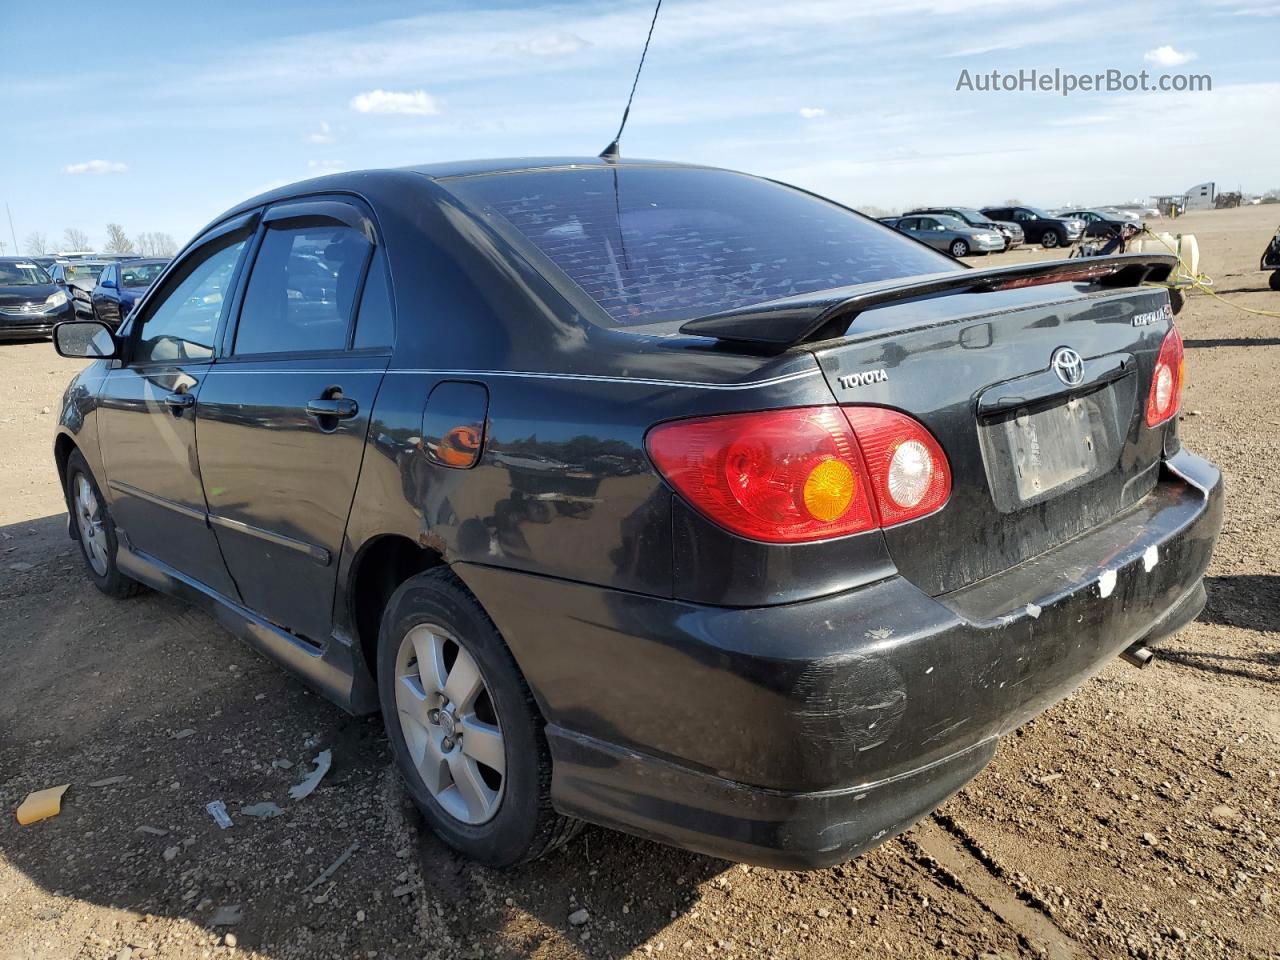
pixel 375 323
pixel 302 291
pixel 651 244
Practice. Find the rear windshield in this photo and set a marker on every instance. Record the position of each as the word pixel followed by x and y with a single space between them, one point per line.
pixel 651 244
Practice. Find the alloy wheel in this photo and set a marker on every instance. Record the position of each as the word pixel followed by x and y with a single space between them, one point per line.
pixel 449 724
pixel 89 523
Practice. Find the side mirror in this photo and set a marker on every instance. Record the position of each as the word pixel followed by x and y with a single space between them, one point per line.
pixel 108 284
pixel 85 339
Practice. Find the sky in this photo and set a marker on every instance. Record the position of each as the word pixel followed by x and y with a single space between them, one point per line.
pixel 159 116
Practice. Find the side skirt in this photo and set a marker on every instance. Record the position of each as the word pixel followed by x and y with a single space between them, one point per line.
pixel 334 671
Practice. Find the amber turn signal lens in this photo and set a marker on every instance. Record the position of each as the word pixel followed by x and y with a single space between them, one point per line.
pixel 829 489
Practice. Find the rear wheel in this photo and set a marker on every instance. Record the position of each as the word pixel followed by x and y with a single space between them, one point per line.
pixel 1275 280
pixel 959 248
pixel 1050 239
pixel 95 530
pixel 463 726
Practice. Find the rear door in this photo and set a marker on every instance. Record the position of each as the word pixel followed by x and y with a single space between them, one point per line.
pixel 147 409
pixel 284 413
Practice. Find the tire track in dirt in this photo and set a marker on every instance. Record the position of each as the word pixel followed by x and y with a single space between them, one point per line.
pixel 954 853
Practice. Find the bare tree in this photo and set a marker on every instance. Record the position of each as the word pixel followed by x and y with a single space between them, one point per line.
pixel 75 239
pixel 155 244
pixel 117 240
pixel 37 244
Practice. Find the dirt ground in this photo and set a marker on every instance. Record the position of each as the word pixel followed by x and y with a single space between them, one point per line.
pixel 1137 818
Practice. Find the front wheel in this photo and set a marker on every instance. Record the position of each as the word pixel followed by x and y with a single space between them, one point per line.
pixel 463 726
pixel 95 530
pixel 1050 240
pixel 1275 280
pixel 959 248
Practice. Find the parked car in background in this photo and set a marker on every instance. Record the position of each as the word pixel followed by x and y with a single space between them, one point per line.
pixel 30 302
pixel 78 278
pixel 951 234
pixel 772 601
pixel 1098 223
pixel 1038 226
pixel 121 285
pixel 974 217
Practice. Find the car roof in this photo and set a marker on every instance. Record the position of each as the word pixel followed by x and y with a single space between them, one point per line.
pixel 356 181
pixel 512 165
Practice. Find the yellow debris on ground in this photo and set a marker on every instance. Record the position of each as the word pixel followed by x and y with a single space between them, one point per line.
pixel 41 805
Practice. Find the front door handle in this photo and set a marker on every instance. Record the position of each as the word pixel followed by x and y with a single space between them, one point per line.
pixel 177 402
pixel 338 408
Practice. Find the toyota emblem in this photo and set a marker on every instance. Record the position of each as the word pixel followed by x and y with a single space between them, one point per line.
pixel 1068 365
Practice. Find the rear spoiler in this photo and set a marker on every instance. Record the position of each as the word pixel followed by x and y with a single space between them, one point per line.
pixel 824 314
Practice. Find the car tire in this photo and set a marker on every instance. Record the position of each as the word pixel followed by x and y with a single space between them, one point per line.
pixel 95 530
pixel 959 248
pixel 497 817
pixel 1275 280
pixel 1050 239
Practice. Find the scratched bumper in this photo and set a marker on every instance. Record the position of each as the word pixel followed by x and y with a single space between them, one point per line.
pixel 799 735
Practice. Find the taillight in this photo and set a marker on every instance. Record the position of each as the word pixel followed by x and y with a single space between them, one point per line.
pixel 1166 380
pixel 807 473
pixel 909 471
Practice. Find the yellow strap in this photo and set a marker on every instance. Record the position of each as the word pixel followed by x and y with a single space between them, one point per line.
pixel 1203 282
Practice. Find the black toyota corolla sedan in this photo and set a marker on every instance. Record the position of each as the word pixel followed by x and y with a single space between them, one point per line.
pixel 657 496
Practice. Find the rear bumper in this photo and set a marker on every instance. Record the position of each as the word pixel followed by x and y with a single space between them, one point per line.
pixel 799 735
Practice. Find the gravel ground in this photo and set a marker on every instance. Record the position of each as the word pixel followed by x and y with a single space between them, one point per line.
pixel 1137 818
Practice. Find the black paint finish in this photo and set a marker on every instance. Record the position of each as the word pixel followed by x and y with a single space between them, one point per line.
pixel 782 704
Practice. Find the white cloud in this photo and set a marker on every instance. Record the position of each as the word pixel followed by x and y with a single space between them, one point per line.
pixel 325 166
pixel 549 45
pixel 96 166
pixel 812 113
pixel 323 135
pixel 1167 56
pixel 417 102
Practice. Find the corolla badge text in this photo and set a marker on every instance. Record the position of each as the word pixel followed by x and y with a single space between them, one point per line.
pixel 1165 312
pixel 851 380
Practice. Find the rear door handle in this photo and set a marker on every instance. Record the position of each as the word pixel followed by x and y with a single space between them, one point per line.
pixel 340 408
pixel 178 402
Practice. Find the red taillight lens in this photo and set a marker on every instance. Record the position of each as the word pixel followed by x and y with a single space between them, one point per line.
pixel 788 476
pixel 909 472
pixel 1166 380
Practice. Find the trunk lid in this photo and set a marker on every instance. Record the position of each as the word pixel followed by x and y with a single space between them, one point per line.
pixel 1036 394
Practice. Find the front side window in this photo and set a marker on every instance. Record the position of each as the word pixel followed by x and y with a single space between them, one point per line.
pixel 183 319
pixel 651 245
pixel 140 274
pixel 302 290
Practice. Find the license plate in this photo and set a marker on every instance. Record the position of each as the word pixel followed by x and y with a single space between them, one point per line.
pixel 1033 453
pixel 1051 447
